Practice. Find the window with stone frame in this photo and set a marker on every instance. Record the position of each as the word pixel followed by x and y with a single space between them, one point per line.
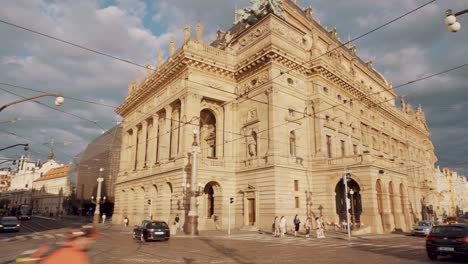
pixel 292 144
pixel 296 202
pixel 329 147
pixel 296 185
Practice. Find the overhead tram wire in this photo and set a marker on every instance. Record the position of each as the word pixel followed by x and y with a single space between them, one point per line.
pixel 150 68
pixel 183 123
pixel 45 105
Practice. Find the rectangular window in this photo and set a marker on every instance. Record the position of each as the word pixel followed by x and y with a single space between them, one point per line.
pixel 296 200
pixel 296 185
pixel 343 148
pixel 355 149
pixel 329 147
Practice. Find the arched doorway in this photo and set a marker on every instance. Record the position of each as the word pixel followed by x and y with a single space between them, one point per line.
pixel 209 191
pixel 355 198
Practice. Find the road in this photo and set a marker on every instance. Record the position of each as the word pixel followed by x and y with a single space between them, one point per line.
pixel 116 246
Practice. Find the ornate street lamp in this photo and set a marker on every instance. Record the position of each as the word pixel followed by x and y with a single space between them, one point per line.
pixel 58 100
pixel 97 213
pixel 451 20
pixel 194 192
pixel 351 192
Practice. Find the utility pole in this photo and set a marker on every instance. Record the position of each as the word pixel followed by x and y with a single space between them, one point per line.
pixel 231 200
pixel 345 182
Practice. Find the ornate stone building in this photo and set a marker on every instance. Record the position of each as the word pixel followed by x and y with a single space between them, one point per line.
pixel 284 109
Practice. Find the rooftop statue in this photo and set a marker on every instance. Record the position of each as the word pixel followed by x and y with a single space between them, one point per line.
pixel 259 9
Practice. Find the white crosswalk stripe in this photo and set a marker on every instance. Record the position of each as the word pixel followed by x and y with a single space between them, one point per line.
pixel 335 243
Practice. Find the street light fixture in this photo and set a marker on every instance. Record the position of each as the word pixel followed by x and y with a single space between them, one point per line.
pixel 26 147
pixel 58 100
pixel 351 192
pixel 451 20
pixel 97 210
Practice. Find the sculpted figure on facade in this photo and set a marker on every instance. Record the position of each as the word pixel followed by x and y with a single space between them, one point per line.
pixel 252 144
pixel 186 33
pixel 200 32
pixel 171 46
pixel 259 9
pixel 159 62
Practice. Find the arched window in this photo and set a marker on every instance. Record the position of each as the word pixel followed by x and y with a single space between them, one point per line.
pixel 292 144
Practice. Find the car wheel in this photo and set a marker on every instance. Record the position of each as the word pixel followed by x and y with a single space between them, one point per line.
pixel 432 255
pixel 134 235
pixel 142 238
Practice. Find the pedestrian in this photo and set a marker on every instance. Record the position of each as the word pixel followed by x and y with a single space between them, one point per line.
pixel 126 221
pixel 103 218
pixel 71 251
pixel 282 226
pixel 275 227
pixel 319 228
pixel 296 223
pixel 307 226
pixel 322 220
pixel 176 223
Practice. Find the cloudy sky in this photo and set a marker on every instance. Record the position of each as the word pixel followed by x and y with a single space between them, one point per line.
pixel 411 48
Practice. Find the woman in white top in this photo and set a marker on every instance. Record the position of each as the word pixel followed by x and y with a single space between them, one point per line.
pixel 282 226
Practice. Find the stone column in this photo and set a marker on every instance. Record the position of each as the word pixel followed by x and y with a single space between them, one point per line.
pixel 175 132
pixel 167 134
pixel 399 213
pixel 133 148
pixel 388 221
pixel 192 114
pixel 271 132
pixel 143 144
pixel 124 151
pixel 370 213
pixel 155 136
pixel 182 125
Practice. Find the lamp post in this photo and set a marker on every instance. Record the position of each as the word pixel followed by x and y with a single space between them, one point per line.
pixel 193 212
pixel 97 213
pixel 320 209
pixel 451 20
pixel 58 100
pixel 26 147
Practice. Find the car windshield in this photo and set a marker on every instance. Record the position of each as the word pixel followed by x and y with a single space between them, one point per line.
pixel 449 231
pixel 422 223
pixel 158 225
pixel 9 220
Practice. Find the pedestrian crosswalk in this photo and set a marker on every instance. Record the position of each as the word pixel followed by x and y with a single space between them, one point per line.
pixel 34 236
pixel 329 242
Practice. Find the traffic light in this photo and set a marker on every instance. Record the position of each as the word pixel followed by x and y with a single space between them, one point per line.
pixel 149 201
pixel 231 200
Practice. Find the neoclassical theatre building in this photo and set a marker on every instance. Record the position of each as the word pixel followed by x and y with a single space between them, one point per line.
pixel 283 109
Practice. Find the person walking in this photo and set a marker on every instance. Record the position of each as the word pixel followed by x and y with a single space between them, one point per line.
pixel 72 251
pixel 296 223
pixel 307 226
pixel 319 227
pixel 322 220
pixel 275 227
pixel 126 221
pixel 103 218
pixel 282 226
pixel 176 222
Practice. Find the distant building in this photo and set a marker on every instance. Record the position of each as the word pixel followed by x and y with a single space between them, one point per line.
pixel 102 153
pixel 5 179
pixel 50 191
pixel 20 190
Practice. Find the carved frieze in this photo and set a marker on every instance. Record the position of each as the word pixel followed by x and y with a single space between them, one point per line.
pixel 254 82
pixel 254 35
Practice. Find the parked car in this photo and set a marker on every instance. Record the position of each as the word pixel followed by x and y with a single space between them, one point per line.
pixel 447 240
pixel 151 230
pixel 9 223
pixel 422 228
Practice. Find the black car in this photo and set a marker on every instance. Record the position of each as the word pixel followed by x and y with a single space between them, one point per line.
pixel 151 230
pixel 9 223
pixel 447 240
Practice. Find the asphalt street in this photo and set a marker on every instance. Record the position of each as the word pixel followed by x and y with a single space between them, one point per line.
pixel 116 246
